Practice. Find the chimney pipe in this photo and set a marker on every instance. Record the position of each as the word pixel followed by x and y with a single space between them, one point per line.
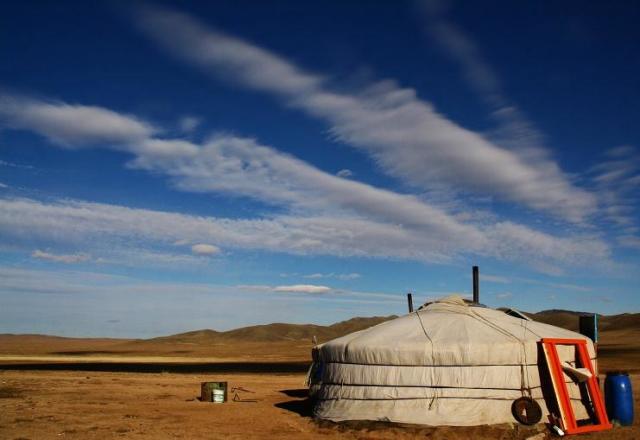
pixel 476 285
pixel 410 302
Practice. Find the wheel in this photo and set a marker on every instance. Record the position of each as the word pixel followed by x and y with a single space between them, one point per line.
pixel 526 411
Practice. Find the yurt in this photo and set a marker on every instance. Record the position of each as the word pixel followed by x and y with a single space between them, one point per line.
pixel 450 362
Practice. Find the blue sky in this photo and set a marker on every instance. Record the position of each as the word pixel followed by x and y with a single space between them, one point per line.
pixel 167 167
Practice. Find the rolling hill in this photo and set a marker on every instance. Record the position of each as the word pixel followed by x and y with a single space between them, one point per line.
pixel 620 335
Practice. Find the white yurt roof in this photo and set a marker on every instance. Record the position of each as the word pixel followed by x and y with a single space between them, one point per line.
pixel 455 332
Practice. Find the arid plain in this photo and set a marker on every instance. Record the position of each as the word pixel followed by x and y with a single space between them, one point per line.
pixel 54 387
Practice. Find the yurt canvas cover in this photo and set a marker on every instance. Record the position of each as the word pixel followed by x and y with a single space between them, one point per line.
pixel 448 363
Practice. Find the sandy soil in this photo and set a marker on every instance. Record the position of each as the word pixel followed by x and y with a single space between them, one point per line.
pixel 98 405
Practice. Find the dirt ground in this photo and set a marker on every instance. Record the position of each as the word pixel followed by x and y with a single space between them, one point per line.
pixel 52 388
pixel 98 405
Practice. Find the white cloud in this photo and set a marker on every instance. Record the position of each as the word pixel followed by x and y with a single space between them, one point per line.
pixel 494 279
pixel 457 45
pixel 249 64
pixel 84 282
pixel 302 288
pixel 60 258
pixel 4 163
pixel 75 303
pixel 204 249
pixel 344 173
pixel 348 276
pixel 329 215
pixel 339 276
pixel 164 149
pixel 72 125
pixel 617 182
pixel 3 185
pixel 514 129
pixel 145 256
pixel 241 166
pixel 340 295
pixel 81 223
pixel 566 286
pixel 629 241
pixel 407 136
pixel 519 239
pixel 189 123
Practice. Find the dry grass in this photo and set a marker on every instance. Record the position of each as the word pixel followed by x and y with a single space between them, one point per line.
pixel 76 405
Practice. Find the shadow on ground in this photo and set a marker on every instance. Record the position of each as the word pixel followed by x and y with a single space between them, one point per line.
pixel 300 393
pixel 303 405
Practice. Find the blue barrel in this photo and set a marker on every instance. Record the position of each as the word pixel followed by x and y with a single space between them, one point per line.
pixel 619 397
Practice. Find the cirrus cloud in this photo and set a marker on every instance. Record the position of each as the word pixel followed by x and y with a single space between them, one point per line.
pixel 407 136
pixel 205 249
pixel 60 258
pixel 302 288
pixel 60 122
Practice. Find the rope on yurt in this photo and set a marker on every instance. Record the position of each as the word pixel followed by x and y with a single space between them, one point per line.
pixel 526 363
pixel 433 356
pixel 524 375
pixel 524 324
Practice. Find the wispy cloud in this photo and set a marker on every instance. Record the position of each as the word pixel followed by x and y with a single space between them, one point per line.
pixel 189 123
pixel 74 303
pixel 302 288
pixel 504 295
pixel 339 276
pixel 83 223
pixel 566 286
pixel 59 122
pixel 514 129
pixel 407 136
pixel 617 182
pixel 145 255
pixel 462 49
pixel 60 258
pixel 4 163
pixel 241 166
pixel 327 214
pixel 616 179
pixel 494 279
pixel 629 241
pixel 205 249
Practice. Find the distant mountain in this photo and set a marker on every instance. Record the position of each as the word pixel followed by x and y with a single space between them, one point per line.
pixel 560 318
pixel 569 319
pixel 274 341
pixel 276 332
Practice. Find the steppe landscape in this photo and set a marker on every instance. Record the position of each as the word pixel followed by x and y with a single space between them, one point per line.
pixel 204 191
pixel 53 387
